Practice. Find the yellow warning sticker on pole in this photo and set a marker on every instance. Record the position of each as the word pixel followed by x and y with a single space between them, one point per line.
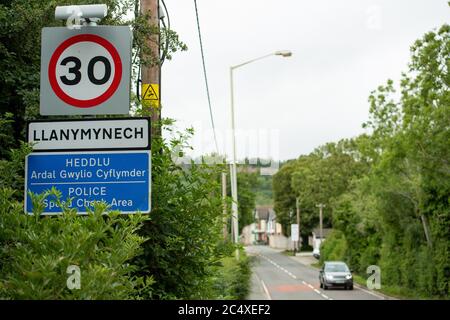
pixel 150 95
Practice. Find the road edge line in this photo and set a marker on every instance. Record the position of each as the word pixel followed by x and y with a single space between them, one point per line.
pixel 266 290
pixel 378 295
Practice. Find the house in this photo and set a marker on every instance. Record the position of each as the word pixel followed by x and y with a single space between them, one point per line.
pixel 272 224
pixel 265 225
pixel 262 214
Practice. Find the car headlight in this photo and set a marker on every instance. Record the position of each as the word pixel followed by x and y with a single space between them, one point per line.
pixel 348 277
pixel 329 277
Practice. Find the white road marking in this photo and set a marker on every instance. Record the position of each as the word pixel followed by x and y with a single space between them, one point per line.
pixel 317 291
pixel 325 296
pixel 266 290
pixel 310 286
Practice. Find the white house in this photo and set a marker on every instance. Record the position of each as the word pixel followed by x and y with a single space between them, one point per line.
pixel 265 225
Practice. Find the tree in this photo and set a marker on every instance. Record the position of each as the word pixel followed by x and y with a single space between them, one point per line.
pixel 284 196
pixel 397 214
pixel 319 177
pixel 247 183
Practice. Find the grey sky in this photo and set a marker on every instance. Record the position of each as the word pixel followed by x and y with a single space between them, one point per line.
pixel 342 50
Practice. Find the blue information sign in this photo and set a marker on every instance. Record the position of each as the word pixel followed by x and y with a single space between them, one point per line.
pixel 119 178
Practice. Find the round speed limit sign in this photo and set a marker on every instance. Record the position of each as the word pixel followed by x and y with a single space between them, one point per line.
pixel 85 74
pixel 85 70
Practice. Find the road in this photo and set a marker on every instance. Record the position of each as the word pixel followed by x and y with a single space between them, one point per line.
pixel 280 277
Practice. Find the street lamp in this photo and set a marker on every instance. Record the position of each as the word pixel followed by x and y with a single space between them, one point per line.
pixel 233 173
pixel 284 53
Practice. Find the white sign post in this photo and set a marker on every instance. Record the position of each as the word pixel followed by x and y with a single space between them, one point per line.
pixel 294 232
pixel 294 235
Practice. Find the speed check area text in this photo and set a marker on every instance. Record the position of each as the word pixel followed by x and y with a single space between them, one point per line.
pixel 120 179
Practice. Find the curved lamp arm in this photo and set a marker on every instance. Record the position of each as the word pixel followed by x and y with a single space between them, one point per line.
pixel 283 53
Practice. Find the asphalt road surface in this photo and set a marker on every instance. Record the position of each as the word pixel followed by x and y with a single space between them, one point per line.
pixel 280 277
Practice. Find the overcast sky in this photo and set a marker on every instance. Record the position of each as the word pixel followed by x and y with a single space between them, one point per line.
pixel 286 107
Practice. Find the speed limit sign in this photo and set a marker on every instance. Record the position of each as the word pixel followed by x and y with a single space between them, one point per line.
pixel 85 71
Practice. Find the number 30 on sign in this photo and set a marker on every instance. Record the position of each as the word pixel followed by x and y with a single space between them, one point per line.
pixel 85 70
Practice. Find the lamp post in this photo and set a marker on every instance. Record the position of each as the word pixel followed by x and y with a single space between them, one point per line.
pixel 297 206
pixel 233 171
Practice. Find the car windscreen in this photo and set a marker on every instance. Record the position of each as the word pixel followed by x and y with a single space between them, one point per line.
pixel 338 267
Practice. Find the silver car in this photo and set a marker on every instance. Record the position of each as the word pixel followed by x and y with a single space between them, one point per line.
pixel 335 273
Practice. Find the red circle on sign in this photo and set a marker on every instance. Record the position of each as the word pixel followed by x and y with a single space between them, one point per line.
pixel 105 95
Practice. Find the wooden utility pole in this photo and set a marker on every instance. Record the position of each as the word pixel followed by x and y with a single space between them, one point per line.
pixel 297 204
pixel 151 74
pixel 320 206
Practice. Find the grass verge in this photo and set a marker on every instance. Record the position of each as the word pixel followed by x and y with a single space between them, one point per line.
pixel 233 279
pixel 288 253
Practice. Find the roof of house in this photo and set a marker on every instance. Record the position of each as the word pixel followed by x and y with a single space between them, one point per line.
pixel 264 212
